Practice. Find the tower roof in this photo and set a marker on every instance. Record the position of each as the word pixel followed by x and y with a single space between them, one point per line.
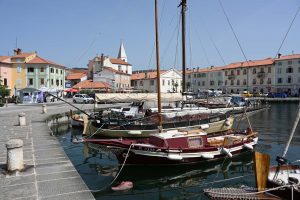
pixel 122 53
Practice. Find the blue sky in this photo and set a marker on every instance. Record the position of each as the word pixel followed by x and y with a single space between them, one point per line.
pixel 70 32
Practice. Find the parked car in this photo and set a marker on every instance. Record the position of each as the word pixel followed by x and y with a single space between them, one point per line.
pixel 82 98
pixel 247 94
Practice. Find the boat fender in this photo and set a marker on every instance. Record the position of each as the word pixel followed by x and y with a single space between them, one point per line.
pixel 204 126
pixel 124 185
pixel 175 157
pixel 207 156
pixel 226 151
pixel 248 146
pixel 134 132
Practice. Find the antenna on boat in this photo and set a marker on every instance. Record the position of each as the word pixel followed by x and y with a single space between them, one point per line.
pixel 158 69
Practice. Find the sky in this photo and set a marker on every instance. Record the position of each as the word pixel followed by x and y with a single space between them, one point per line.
pixel 72 32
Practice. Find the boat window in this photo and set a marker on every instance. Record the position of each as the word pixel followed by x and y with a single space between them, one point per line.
pixel 126 109
pixel 195 142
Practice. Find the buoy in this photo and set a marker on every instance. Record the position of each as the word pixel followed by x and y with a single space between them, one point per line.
pixel 248 146
pixel 226 151
pixel 124 185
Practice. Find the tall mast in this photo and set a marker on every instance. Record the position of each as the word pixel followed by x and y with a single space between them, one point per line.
pixel 183 10
pixel 158 68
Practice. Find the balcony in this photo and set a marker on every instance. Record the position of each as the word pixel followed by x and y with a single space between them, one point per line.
pixel 261 75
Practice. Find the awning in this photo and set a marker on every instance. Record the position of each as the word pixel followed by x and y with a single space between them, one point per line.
pixel 137 97
pixel 71 90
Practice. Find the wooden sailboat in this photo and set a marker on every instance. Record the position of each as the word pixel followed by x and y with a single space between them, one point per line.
pixel 178 146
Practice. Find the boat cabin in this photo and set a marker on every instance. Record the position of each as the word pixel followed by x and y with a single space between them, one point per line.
pixel 179 139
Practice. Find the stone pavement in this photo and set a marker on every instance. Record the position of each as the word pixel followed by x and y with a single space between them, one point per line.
pixel 49 173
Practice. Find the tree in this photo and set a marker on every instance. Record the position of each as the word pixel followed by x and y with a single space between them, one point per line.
pixel 3 90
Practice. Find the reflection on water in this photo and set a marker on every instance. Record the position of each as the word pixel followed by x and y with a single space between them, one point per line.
pixel 98 167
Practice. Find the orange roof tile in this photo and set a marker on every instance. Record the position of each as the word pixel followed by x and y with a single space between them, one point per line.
pixel 5 59
pixel 294 56
pixel 75 76
pixel 23 55
pixel 150 75
pixel 251 63
pixel 39 60
pixel 89 84
pixel 118 61
pixel 116 71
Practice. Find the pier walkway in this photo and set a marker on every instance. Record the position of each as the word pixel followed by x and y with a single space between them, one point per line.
pixel 49 173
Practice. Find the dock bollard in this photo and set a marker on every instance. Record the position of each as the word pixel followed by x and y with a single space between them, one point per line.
pixel 44 109
pixel 15 155
pixel 22 119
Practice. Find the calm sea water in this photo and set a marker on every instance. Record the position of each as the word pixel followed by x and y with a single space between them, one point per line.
pixel 98 168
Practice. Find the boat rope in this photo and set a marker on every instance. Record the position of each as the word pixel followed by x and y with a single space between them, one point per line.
pixel 96 131
pixel 131 145
pixel 252 193
pixel 292 132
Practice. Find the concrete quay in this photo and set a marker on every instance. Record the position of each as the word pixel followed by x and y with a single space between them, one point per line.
pixel 49 174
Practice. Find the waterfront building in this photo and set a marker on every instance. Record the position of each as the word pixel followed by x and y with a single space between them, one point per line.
pixel 5 71
pixel 74 78
pixel 28 70
pixel 118 80
pixel 119 64
pixel 281 74
pixel 170 81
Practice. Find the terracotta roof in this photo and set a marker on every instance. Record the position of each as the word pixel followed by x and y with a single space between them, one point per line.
pixel 5 59
pixel 75 70
pixel 89 84
pixel 75 76
pixel 23 55
pixel 113 61
pixel 39 60
pixel 118 61
pixel 203 70
pixel 150 75
pixel 251 63
pixel 294 56
pixel 116 71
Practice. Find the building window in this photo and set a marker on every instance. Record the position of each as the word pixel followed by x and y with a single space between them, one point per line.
pixel 56 71
pixel 212 82
pixel 19 69
pixel 195 75
pixel 289 70
pixel 289 79
pixel 226 73
pixel 203 83
pixel 189 76
pixel 219 73
pixel 42 69
pixel 254 70
pixel 269 81
pixel 30 81
pixel 5 82
pixel 269 70
pixel 279 70
pixel 52 81
pixel 262 70
pixel 238 82
pixel 199 83
pixel 30 69
pixel 298 79
pixel 232 82
pixel 51 70
pixel 219 82
pixel 57 82
pixel 61 71
pixel 244 71
pixel 225 82
pixel 244 82
pixel 163 82
pixel 42 81
pixel 232 72
pixel 254 81
pixel 168 82
pixel 141 83
pixel 298 69
pixel 261 81
pixel 238 72
pixel 279 80
pixel 279 63
pixel 290 62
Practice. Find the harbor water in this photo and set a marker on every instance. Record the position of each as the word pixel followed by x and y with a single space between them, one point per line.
pixel 98 167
